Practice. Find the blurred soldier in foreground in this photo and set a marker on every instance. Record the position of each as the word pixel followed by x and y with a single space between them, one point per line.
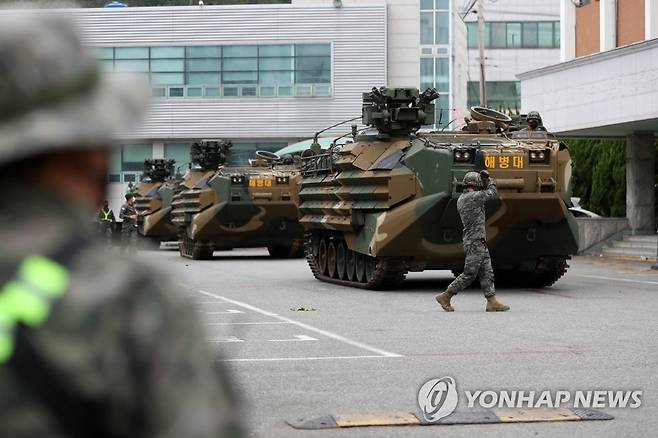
pixel 478 261
pixel 106 221
pixel 128 215
pixel 90 345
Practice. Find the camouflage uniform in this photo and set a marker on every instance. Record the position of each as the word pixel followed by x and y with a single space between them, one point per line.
pixel 128 227
pixel 90 345
pixel 478 261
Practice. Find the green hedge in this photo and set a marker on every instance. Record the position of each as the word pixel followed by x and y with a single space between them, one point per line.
pixel 599 175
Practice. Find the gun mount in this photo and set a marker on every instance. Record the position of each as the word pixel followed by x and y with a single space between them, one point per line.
pixel 158 169
pixel 210 154
pixel 398 111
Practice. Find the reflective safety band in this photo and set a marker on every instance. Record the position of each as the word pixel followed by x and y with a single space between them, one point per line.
pixel 106 215
pixel 27 298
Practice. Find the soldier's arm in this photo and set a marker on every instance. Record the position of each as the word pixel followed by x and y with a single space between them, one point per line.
pixel 489 192
pixel 112 218
pixel 122 213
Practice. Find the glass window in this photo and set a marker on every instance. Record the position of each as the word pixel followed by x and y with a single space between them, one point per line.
pixel 472 35
pixel 545 34
pixel 240 51
pixel 131 65
pixel 278 63
pixel 242 77
pixel 312 50
pixel 442 75
pixel 131 53
pixel 106 66
pixel 268 91
pixel 442 4
pixel 212 92
pixel 275 77
pixel 529 35
pixel 426 4
pixel 322 90
pixel 167 52
pixel 165 65
pixel 115 160
pixel 285 91
pixel 133 156
pixel 176 91
pixel 312 63
pixel 426 28
pixel 159 91
pixel 513 35
pixel 556 35
pixel 208 64
pixel 248 91
pixel 167 78
pixel 312 77
pixel 498 35
pixel 240 64
pixel 104 52
pixel 442 28
pixel 179 152
pixel 303 90
pixel 426 73
pixel 501 95
pixel 204 52
pixel 203 78
pixel 426 50
pixel 230 91
pixel 275 50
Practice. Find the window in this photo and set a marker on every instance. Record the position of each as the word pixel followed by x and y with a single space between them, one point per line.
pixel 426 28
pixel 442 75
pixel 510 35
pixel 442 28
pixel 242 152
pixel 133 156
pixel 268 70
pixel 179 152
pixel 426 73
pixel 501 95
pixel 529 34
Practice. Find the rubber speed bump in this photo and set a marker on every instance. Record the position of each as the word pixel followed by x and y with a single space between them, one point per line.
pixel 492 416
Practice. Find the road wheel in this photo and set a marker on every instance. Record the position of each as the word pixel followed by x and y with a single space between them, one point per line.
pixel 331 260
pixel 322 257
pixel 350 265
pixel 371 264
pixel 340 261
pixel 360 268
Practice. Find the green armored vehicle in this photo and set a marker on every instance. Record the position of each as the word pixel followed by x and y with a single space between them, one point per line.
pixel 385 205
pixel 241 207
pixel 153 197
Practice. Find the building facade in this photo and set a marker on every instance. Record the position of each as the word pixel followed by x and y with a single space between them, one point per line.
pixel 519 35
pixel 606 86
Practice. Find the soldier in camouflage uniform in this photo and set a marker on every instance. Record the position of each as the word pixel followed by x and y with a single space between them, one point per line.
pixel 534 122
pixel 128 215
pixel 478 261
pixel 90 345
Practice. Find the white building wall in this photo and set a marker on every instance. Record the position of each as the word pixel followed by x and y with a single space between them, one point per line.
pixel 615 87
pixel 403 43
pixel 357 32
pixel 505 64
pixel 459 70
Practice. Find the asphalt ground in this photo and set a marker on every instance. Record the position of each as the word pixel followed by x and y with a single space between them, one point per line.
pixel 300 348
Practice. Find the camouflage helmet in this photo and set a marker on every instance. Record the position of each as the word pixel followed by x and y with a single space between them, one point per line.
pixel 533 115
pixel 52 96
pixel 472 179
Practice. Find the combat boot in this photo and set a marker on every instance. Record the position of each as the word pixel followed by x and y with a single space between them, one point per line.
pixel 493 305
pixel 444 300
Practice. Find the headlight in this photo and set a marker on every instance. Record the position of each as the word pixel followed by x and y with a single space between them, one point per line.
pixel 464 155
pixel 237 179
pixel 540 156
pixel 282 179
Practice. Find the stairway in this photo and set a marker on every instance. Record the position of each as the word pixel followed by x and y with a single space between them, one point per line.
pixel 633 248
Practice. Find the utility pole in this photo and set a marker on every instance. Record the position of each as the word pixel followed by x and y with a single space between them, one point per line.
pixel 483 93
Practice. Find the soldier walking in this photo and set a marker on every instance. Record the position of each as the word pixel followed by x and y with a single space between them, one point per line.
pixel 106 221
pixel 478 261
pixel 128 215
pixel 91 345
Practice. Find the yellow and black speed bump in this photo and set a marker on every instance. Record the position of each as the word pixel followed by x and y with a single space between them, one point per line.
pixel 470 417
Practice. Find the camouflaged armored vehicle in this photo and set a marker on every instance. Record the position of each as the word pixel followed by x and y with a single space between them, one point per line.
pixel 385 205
pixel 239 207
pixel 154 195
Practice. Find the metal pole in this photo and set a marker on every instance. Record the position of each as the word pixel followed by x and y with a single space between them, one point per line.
pixel 483 93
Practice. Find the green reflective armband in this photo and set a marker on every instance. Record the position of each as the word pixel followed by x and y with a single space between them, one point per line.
pixel 44 274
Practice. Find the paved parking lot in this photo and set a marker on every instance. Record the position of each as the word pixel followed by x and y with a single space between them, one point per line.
pixel 301 348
